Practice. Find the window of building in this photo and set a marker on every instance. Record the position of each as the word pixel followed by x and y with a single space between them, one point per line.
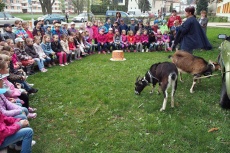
pixel 11 1
pixel 12 7
pixel 121 1
pixel 18 7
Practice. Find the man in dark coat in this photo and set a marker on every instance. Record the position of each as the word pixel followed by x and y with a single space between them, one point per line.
pixel 190 34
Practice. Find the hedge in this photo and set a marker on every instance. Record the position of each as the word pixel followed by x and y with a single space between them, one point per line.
pixel 101 9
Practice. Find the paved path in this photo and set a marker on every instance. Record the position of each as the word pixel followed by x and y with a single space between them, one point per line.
pixel 219 24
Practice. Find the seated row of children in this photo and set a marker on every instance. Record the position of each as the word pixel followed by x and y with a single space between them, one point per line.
pixel 15 109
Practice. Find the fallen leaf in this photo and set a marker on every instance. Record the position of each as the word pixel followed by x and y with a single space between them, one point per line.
pixel 213 129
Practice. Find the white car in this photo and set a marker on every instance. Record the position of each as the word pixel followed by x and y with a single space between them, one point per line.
pixel 83 17
pixel 145 15
pixel 7 18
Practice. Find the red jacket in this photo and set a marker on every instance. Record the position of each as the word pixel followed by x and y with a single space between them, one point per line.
pixel 95 31
pixel 138 38
pixel 71 46
pixel 172 19
pixel 109 37
pixel 131 39
pixel 29 33
pixel 101 38
pixel 8 126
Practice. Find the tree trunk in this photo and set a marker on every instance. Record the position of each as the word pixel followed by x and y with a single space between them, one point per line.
pixel 43 7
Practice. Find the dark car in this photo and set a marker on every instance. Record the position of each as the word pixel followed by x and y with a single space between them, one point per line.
pixel 112 15
pixel 49 18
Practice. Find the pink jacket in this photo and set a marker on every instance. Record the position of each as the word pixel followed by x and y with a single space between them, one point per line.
pixel 165 37
pixel 144 38
pixel 12 92
pixel 124 38
pixel 14 59
pixel 138 38
pixel 9 109
pixel 90 30
pixel 101 38
pixel 8 127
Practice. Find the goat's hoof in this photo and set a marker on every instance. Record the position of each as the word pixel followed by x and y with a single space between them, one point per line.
pixel 162 109
pixel 172 106
pixel 151 92
pixel 182 81
pixel 191 91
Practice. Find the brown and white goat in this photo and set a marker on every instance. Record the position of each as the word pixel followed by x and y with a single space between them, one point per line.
pixel 163 73
pixel 188 63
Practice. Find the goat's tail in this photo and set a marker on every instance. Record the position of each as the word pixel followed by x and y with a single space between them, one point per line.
pixel 173 76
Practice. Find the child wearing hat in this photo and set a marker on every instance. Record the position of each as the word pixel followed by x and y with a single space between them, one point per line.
pixel 8 34
pixel 72 28
pixel 38 31
pixel 57 30
pixel 65 28
pixel 110 41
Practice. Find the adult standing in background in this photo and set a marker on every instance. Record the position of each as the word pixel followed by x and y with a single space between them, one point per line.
pixel 118 17
pixel 190 34
pixel 203 20
pixel 67 17
pixel 172 18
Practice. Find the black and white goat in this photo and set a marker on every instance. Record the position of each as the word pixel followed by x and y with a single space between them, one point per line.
pixel 163 73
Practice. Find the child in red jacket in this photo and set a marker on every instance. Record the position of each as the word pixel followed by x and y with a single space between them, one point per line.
pixel 131 41
pixel 110 42
pixel 138 41
pixel 73 48
pixel 101 39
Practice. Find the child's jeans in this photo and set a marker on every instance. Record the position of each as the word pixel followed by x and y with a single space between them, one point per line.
pixel 77 53
pixel 145 45
pixel 139 47
pixel 117 46
pixel 69 56
pixel 46 60
pixel 40 63
pixel 101 47
pixel 62 57
pixel 110 45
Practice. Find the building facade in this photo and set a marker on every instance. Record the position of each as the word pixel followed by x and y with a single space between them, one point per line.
pixel 223 8
pixel 22 6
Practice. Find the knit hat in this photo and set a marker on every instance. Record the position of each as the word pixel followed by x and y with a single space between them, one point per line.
pixel 19 39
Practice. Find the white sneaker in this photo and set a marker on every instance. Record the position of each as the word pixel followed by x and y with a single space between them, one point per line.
pixel 61 64
pixel 20 147
pixel 142 50
pixel 66 64
pixel 147 50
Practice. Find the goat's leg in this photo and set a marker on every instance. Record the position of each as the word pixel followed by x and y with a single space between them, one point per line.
pixel 193 84
pixel 174 87
pixel 180 74
pixel 159 90
pixel 152 89
pixel 164 89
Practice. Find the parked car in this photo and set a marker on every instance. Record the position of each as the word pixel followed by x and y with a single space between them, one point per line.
pixel 83 17
pixel 7 18
pixel 112 15
pixel 134 13
pixel 49 18
pixel 145 14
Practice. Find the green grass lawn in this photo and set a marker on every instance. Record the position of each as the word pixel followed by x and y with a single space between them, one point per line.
pixel 90 107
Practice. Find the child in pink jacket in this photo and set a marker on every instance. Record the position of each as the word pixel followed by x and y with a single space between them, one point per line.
pixel 124 40
pixel 145 40
pixel 166 40
pixel 138 42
